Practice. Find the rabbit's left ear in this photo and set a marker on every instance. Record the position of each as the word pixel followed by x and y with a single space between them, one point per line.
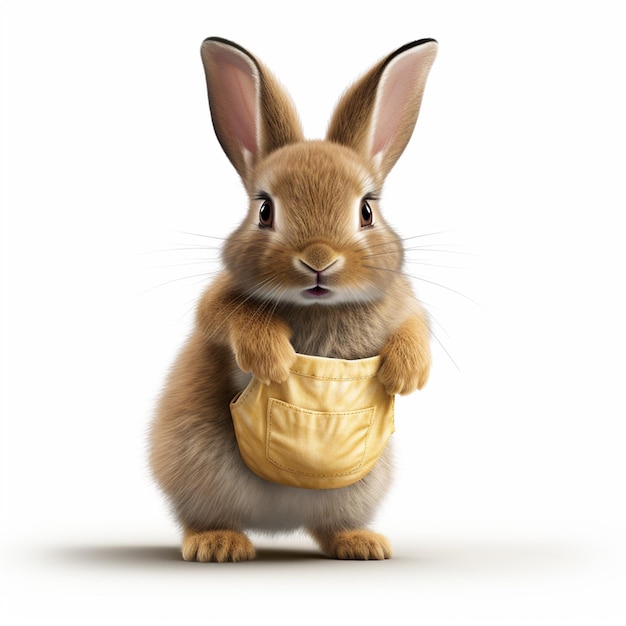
pixel 377 115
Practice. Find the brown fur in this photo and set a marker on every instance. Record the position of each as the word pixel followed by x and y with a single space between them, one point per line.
pixel 255 316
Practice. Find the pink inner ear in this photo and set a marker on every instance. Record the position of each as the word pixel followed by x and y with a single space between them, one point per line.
pixel 397 90
pixel 237 86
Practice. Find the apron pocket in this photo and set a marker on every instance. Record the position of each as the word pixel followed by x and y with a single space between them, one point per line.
pixel 317 443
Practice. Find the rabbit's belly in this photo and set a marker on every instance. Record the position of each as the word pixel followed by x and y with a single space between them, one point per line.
pixel 287 511
pixel 226 494
pixel 278 508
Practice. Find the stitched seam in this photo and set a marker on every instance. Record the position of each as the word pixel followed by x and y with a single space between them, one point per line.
pixel 241 397
pixel 336 378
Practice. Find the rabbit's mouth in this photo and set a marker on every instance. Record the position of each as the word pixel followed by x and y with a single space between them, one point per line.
pixel 317 292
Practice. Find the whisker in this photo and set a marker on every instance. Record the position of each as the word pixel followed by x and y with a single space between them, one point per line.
pixel 377 254
pixel 427 249
pixel 434 336
pixel 421 236
pixel 425 280
pixel 183 232
pixel 175 280
pixel 399 241
pixel 190 309
pixel 439 232
pixel 397 247
pixel 196 262
pixel 447 267
pixel 372 246
pixel 184 249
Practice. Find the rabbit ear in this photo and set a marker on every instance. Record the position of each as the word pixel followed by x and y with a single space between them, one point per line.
pixel 252 114
pixel 376 116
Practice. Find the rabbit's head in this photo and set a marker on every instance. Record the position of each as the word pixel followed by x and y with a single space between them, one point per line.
pixel 313 233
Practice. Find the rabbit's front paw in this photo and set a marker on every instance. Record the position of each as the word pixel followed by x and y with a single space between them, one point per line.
pixel 268 358
pixel 403 371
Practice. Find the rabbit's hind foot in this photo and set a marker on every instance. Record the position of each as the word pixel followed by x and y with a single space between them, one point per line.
pixel 363 545
pixel 218 546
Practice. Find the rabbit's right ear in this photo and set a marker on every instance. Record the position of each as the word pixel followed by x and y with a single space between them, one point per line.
pixel 252 114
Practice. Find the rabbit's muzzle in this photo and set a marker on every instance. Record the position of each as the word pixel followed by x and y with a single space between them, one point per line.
pixel 319 258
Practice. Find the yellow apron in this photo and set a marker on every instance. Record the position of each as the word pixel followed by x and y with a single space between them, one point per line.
pixel 324 427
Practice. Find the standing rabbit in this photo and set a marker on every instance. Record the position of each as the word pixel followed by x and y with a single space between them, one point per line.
pixel 313 269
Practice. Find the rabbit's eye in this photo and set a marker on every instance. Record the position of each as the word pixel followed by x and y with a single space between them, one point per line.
pixel 367 217
pixel 266 214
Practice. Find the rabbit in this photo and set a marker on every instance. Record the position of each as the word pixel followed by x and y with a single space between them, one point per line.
pixel 312 269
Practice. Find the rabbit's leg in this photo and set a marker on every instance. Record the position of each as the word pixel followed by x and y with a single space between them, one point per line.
pixel 217 546
pixel 357 544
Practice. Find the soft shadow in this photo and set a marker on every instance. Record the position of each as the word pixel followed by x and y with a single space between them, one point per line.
pixel 124 556
pixel 275 554
pixel 467 557
pixel 116 555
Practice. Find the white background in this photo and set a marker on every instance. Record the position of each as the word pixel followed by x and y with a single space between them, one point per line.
pixel 510 501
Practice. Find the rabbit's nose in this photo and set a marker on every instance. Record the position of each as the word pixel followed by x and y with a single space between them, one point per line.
pixel 319 257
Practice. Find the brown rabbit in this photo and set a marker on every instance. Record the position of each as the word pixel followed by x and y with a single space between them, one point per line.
pixel 313 269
